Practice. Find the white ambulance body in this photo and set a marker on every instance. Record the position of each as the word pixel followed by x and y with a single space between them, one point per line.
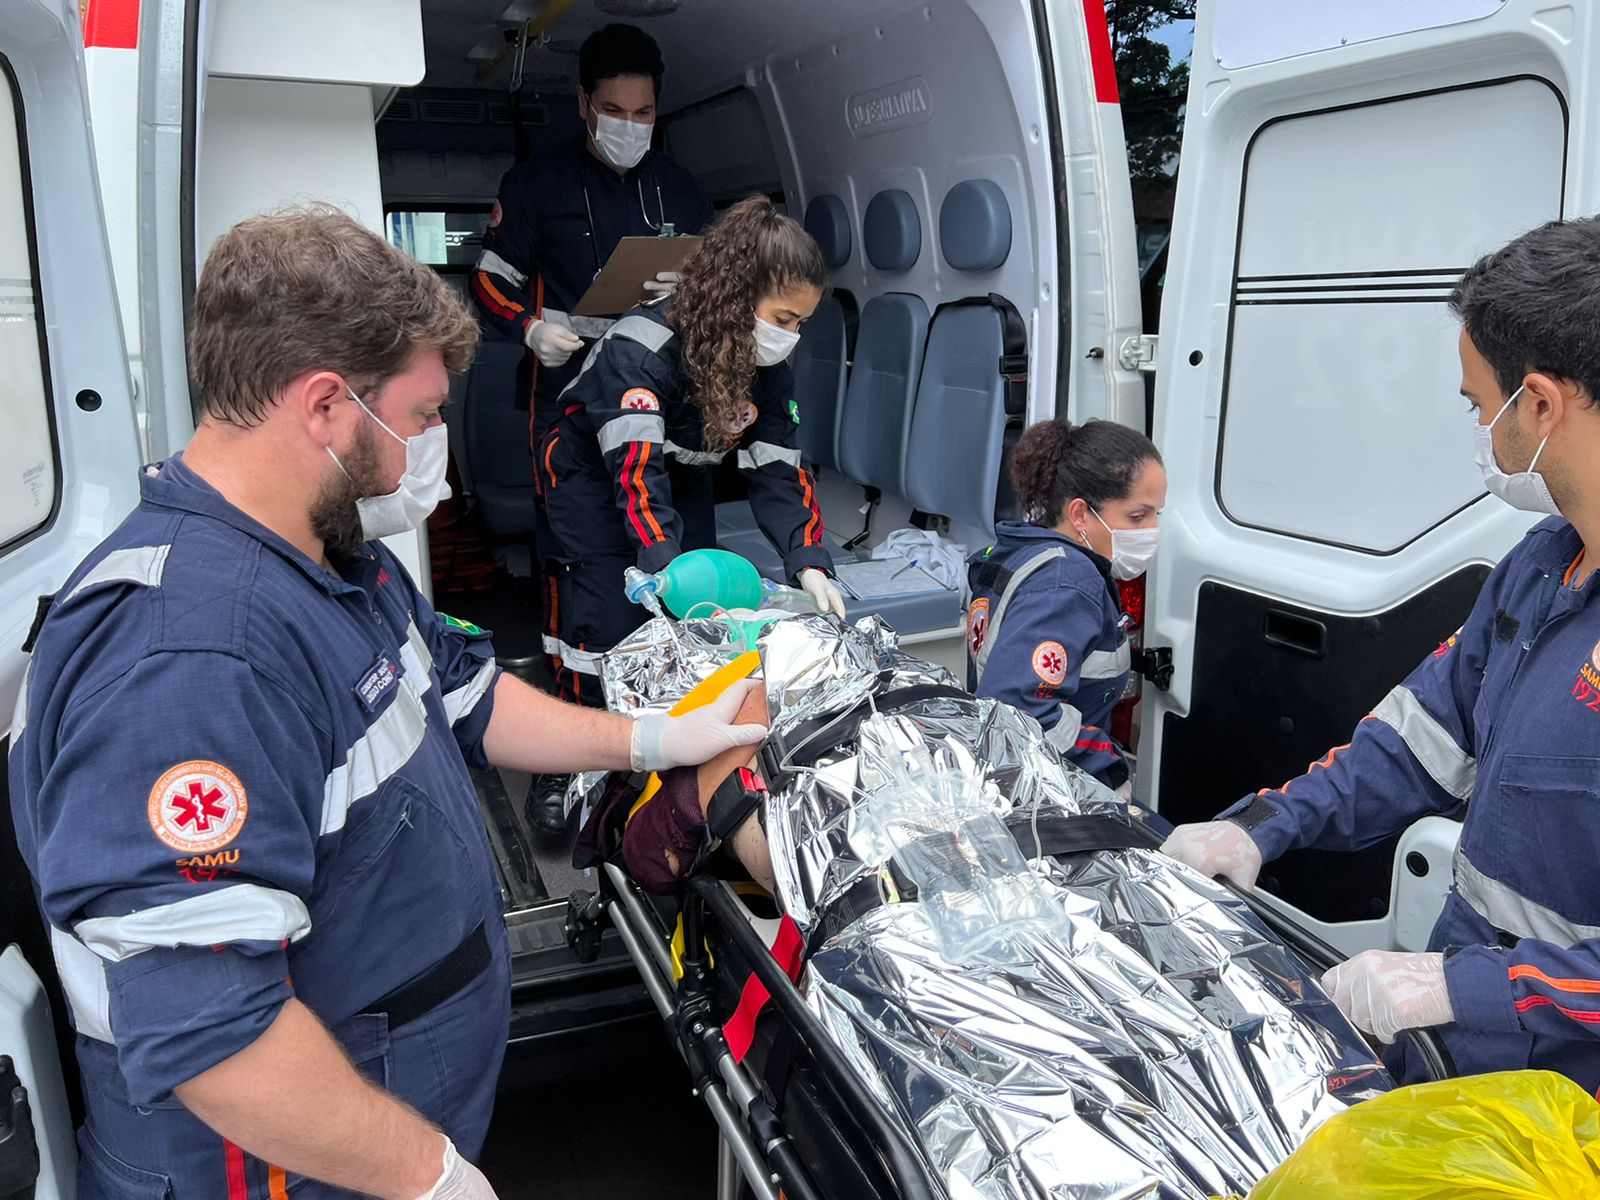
pixel 1342 164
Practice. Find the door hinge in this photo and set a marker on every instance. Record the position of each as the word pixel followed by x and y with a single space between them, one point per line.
pixel 1138 353
pixel 1155 664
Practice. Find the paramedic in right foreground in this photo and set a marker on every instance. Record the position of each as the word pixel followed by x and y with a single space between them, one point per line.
pixel 1504 716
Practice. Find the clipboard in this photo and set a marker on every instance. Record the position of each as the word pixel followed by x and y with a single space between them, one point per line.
pixel 620 284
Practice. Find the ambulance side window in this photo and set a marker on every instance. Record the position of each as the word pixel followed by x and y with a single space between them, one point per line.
pixel 29 476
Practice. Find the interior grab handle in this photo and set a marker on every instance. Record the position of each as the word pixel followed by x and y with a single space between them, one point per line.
pixel 1296 633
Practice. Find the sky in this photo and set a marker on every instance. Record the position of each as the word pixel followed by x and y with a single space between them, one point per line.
pixel 1179 35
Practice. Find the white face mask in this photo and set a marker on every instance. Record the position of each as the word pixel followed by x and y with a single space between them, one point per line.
pixel 422 486
pixel 1132 550
pixel 1526 490
pixel 622 143
pixel 773 344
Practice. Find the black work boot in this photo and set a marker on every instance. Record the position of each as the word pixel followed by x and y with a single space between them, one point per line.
pixel 546 806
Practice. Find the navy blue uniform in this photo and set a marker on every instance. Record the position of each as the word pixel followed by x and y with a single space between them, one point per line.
pixel 558 218
pixel 1045 634
pixel 237 777
pixel 1504 718
pixel 627 478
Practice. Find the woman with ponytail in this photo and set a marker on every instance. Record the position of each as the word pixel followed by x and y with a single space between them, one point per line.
pixel 1045 632
pixel 670 391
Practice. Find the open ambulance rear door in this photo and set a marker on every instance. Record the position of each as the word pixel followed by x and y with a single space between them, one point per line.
pixel 1343 163
pixel 68 461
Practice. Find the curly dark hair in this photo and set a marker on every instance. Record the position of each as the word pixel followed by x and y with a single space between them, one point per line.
pixel 1057 462
pixel 752 252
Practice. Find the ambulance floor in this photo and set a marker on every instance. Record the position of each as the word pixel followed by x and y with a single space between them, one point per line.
pixel 629 1127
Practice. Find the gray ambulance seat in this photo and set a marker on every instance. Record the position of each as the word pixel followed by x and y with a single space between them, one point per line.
pixel 957 425
pixel 875 419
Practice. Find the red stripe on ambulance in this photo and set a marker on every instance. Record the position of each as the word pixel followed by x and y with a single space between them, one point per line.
pixel 1100 56
pixel 113 24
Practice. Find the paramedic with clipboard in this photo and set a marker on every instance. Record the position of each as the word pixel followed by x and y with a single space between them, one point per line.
pixel 560 215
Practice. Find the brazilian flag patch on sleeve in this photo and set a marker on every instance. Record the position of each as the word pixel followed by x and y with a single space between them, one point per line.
pixel 794 411
pixel 466 627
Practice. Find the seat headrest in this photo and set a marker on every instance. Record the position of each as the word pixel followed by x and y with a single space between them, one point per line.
pixel 975 226
pixel 828 222
pixel 892 231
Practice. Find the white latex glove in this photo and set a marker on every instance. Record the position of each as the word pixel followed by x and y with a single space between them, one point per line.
pixel 1385 991
pixel 460 1181
pixel 1217 848
pixel 824 591
pixel 663 283
pixel 661 742
pixel 551 344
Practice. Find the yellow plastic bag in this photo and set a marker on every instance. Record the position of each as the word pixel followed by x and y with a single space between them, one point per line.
pixel 1516 1135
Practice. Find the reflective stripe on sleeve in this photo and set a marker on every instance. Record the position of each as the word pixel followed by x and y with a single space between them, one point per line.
pixel 1063 735
pixel 83 979
pixel 464 699
pixel 1451 767
pixel 631 427
pixel 245 912
pixel 490 261
pixel 1107 664
pixel 761 454
pixel 19 714
pixel 694 458
pixel 586 662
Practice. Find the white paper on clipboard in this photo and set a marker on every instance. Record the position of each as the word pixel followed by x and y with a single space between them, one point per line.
pixel 884 577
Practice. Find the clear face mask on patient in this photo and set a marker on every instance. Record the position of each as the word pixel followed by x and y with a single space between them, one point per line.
pixel 1132 550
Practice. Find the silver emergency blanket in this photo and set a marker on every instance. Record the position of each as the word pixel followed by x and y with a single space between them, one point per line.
pixel 1098 1026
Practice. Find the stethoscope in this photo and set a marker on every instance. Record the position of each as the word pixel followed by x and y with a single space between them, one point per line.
pixel 655 226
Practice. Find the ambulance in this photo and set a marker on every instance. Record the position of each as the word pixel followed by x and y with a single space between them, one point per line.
pixel 963 165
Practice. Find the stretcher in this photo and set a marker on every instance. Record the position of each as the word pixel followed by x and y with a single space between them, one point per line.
pixel 904 1011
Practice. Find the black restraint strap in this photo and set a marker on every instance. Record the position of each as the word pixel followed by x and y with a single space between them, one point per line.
pixel 1057 833
pixel 803 745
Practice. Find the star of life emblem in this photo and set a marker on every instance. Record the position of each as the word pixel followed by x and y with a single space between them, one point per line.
pixel 197 806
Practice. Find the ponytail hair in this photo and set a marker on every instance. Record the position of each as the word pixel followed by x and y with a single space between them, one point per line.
pixel 752 252
pixel 1057 462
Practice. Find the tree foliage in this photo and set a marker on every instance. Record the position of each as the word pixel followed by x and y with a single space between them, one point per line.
pixel 1152 86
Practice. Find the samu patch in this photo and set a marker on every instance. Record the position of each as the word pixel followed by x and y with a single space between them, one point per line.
pixel 1050 662
pixel 641 400
pixel 198 806
pixel 977 625
pixel 377 683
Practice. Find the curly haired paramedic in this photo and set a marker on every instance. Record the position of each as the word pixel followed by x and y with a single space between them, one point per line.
pixel 670 391
pixel 240 770
pixel 1504 717
pixel 1045 631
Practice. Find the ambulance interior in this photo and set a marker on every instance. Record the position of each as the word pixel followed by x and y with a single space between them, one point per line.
pixel 911 140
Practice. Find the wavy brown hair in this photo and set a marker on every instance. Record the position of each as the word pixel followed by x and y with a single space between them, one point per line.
pixel 753 251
